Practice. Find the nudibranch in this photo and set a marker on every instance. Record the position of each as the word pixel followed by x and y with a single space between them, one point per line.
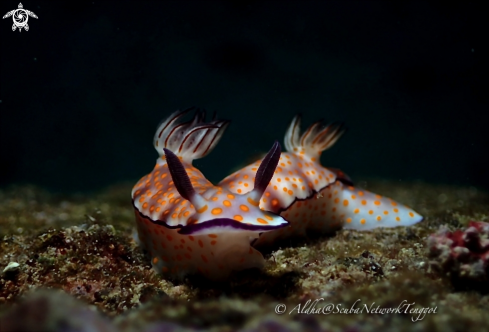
pixel 187 224
pixel 314 198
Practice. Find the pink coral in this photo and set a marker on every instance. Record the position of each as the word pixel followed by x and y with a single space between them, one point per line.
pixel 463 254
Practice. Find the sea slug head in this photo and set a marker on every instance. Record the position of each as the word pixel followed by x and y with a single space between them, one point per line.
pixel 219 210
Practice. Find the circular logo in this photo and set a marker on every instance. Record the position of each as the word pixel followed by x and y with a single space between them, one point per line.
pixel 20 17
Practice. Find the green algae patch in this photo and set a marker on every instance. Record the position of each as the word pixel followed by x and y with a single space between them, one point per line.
pixel 82 245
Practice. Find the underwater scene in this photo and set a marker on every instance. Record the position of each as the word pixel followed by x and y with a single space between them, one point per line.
pixel 245 166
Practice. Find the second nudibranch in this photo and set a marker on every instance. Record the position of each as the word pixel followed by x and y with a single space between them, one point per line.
pixel 187 224
pixel 314 198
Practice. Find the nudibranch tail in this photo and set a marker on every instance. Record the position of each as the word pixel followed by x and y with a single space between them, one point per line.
pixel 315 139
pixel 192 139
pixel 363 210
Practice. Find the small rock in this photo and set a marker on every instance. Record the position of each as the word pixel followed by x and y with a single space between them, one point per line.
pixel 12 266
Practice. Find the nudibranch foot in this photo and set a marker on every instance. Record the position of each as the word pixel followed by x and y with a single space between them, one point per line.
pixel 212 255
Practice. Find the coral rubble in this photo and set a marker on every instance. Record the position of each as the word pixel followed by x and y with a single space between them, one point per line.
pixel 463 254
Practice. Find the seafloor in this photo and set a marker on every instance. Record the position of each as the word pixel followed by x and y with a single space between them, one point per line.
pixel 82 245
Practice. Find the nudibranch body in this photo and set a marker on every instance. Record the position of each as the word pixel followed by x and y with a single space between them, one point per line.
pixel 187 224
pixel 314 198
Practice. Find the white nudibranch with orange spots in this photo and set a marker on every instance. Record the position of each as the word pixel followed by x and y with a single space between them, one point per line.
pixel 187 224
pixel 314 198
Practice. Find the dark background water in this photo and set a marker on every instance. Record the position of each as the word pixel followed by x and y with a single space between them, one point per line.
pixel 84 89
